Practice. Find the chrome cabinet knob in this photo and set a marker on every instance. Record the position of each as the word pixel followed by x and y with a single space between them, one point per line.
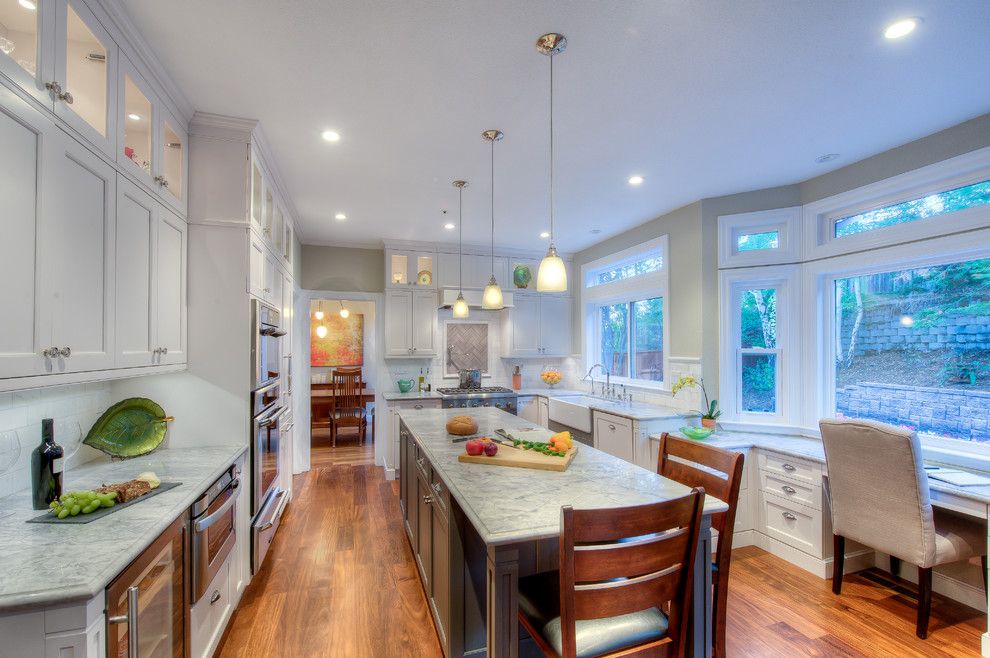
pixel 160 180
pixel 50 353
pixel 65 352
pixel 164 182
pixel 427 499
pixel 164 351
pixel 56 89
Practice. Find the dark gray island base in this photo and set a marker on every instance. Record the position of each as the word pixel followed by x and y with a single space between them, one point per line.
pixel 476 529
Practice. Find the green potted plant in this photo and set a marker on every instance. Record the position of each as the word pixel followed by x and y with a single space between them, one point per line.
pixel 709 415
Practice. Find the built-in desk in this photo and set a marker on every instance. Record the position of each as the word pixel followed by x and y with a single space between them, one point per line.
pixel 783 475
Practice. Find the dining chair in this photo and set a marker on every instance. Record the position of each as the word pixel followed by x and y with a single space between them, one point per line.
pixel 720 475
pixel 608 598
pixel 348 408
pixel 879 497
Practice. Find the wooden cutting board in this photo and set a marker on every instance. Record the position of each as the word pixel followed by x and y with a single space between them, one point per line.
pixel 519 458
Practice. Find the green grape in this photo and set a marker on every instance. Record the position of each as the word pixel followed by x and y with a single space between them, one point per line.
pixel 108 502
pixel 89 509
pixel 64 513
pixel 76 508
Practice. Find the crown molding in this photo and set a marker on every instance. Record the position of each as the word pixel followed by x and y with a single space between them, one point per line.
pixel 219 126
pixel 371 244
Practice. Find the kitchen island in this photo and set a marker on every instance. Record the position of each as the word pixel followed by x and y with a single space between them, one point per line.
pixel 476 529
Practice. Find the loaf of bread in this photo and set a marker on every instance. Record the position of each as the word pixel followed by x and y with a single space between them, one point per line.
pixel 462 426
pixel 126 491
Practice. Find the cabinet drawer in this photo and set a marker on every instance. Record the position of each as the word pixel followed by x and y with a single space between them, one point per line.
pixel 422 464
pixel 614 435
pixel 415 404
pixel 207 616
pixel 440 495
pixel 795 469
pixel 792 524
pixel 805 494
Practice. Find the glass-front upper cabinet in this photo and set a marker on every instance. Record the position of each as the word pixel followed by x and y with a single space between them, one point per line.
pixel 137 126
pixel 267 216
pixel 171 176
pixel 84 85
pixel 26 45
pixel 257 195
pixel 407 268
pixel 279 230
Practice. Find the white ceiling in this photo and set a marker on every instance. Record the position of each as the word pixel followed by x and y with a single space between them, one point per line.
pixel 701 98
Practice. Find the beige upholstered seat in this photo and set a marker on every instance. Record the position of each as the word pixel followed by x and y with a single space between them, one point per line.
pixel 879 497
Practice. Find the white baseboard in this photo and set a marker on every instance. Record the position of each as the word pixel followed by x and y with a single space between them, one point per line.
pixel 955 589
pixel 389 473
pixel 855 561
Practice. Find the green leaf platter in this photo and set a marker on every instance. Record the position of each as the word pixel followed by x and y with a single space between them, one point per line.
pixel 130 428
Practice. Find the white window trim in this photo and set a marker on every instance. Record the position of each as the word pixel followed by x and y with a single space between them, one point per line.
pixel 820 216
pixel 784 278
pixel 787 223
pixel 643 286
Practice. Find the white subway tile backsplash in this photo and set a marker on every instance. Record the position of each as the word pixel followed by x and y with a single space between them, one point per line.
pixel 75 408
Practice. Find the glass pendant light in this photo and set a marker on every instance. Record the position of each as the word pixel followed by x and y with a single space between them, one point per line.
pixel 460 306
pixel 344 313
pixel 319 311
pixel 321 329
pixel 492 297
pixel 552 276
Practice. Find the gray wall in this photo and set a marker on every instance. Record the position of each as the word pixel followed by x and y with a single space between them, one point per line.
pixel 343 269
pixel 693 229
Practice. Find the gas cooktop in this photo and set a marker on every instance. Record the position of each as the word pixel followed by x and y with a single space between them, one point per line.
pixel 481 391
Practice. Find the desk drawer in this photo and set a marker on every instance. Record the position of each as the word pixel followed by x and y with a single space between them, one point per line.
pixel 792 524
pixel 805 494
pixel 792 468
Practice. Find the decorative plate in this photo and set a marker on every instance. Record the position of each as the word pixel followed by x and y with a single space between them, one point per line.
pixel 424 278
pixel 130 428
pixel 521 276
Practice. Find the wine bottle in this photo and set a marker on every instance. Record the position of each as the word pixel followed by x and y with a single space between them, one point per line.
pixel 46 467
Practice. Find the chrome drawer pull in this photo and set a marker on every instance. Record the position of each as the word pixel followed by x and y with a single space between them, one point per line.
pixel 418 406
pixel 437 487
pixel 789 516
pixel 215 597
pixel 790 490
pixel 788 467
pixel 611 427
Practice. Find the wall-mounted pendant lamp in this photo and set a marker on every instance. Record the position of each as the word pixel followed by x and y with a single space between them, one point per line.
pixel 460 307
pixel 492 297
pixel 318 314
pixel 321 329
pixel 344 313
pixel 552 276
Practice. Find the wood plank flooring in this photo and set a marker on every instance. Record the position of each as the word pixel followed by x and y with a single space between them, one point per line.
pixel 340 581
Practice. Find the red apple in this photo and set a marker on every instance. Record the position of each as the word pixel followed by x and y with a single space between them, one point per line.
pixel 474 447
pixel 491 449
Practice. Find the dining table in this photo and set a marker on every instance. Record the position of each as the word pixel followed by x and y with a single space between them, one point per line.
pixel 322 401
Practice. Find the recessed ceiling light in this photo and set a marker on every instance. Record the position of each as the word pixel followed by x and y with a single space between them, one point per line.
pixel 331 136
pixel 449 226
pixel 828 157
pixel 340 217
pixel 635 180
pixel 545 235
pixel 900 28
pixel 134 117
pixel 28 4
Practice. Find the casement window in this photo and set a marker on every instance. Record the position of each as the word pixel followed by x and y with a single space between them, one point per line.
pixel 625 328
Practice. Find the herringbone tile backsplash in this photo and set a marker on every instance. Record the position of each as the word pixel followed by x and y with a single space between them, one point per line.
pixel 467 347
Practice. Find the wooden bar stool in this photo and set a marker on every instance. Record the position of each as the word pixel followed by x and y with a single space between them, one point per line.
pixel 609 596
pixel 721 477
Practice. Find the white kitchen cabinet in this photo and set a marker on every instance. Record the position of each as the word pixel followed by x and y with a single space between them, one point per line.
pixel 543 411
pixel 528 408
pixel 172 177
pixel 404 267
pixel 288 321
pixel 537 325
pixel 257 203
pixel 29 58
pixel 75 247
pixel 256 267
pixel 477 271
pixel 614 435
pixel 273 278
pixel 410 323
pixel 150 281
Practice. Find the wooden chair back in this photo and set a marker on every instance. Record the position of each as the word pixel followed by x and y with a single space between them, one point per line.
pixel 603 576
pixel 721 476
pixel 347 394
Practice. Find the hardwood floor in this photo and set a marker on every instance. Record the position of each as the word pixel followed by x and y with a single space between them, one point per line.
pixel 340 581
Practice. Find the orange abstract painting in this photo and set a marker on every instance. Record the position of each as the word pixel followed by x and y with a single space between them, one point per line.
pixel 343 344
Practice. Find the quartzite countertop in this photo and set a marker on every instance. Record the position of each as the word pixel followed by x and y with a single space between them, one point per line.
pixel 45 564
pixel 514 504
pixel 392 396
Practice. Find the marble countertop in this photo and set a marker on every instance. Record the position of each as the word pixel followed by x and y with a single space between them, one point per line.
pixel 411 395
pixel 548 392
pixel 45 563
pixel 811 448
pixel 517 504
pixel 635 411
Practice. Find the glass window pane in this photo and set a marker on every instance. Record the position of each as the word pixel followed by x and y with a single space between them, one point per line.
pixel 173 161
pixel 758 241
pixel 648 339
pixel 759 383
pixel 758 318
pixel 627 271
pixel 913 348
pixel 19 33
pixel 86 73
pixel 256 188
pixel 399 268
pixel 932 205
pixel 137 125
pixel 615 339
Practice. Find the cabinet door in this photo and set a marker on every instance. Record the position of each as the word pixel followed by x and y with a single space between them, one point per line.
pixel 555 326
pixel 76 241
pixel 270 274
pixel 257 194
pixel 27 47
pixel 134 255
pixel 86 69
pixel 173 161
pixel 398 323
pixel 523 327
pixel 256 268
pixel 614 436
pixel 26 165
pixel 528 408
pixel 424 520
pixel 403 268
pixel 424 322
pixel 440 565
pixel 138 117
pixel 543 419
pixel 170 289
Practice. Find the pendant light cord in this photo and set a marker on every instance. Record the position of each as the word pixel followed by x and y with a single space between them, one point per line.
pixel 493 208
pixel 460 239
pixel 551 150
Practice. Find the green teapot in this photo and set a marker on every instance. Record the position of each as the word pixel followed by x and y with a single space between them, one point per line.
pixel 405 385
